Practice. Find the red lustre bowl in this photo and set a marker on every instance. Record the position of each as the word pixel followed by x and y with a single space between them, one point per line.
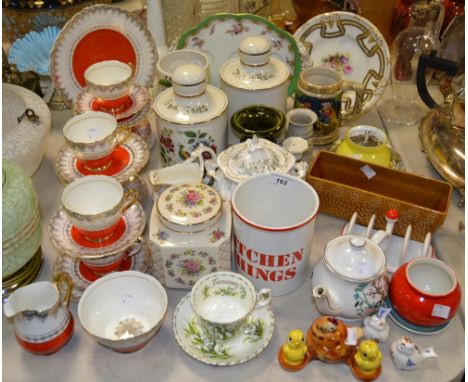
pixel 425 292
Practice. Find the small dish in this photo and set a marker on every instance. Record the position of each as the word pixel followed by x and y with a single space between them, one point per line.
pixel 395 244
pixel 396 163
pixel 250 342
pixel 138 99
pixel 128 159
pixel 123 310
pixel 68 240
pixel 412 328
pixel 141 261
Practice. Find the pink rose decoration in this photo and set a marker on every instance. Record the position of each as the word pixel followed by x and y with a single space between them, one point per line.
pixel 347 69
pixel 192 266
pixel 192 197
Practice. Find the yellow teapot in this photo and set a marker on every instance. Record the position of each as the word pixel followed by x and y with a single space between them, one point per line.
pixel 366 143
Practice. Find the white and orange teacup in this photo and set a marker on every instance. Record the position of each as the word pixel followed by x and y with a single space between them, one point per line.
pixel 93 137
pixel 95 204
pixel 109 81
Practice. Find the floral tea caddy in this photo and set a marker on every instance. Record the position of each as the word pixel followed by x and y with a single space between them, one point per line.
pixel 190 234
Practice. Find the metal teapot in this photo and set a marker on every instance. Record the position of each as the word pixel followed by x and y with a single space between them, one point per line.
pixel 442 130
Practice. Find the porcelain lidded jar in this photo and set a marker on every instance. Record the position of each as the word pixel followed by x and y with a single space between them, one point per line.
pixel 349 280
pixel 190 233
pixel 189 113
pixel 254 76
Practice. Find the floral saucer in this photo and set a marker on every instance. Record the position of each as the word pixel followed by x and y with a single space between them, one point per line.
pixel 138 98
pixel 128 159
pixel 412 328
pixel 67 239
pixel 139 259
pixel 200 343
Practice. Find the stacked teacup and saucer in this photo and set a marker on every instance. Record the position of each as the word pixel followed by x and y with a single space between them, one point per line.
pixel 110 89
pixel 98 230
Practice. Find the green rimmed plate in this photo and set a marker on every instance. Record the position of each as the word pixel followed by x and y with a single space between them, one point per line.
pixel 251 340
pixel 219 37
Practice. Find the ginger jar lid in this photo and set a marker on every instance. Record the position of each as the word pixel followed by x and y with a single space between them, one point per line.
pixel 354 258
pixel 254 69
pixel 189 207
pixel 190 100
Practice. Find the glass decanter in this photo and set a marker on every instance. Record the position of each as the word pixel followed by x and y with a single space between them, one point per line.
pixel 419 38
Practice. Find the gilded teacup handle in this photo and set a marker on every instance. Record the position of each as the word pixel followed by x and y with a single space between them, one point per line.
pixel 264 297
pixel 65 278
pixel 357 107
pixel 131 197
pixel 126 131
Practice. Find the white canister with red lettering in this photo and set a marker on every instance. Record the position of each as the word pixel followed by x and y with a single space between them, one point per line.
pixel 274 221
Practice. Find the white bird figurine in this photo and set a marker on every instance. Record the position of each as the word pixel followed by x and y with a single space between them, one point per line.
pixel 407 356
pixel 376 326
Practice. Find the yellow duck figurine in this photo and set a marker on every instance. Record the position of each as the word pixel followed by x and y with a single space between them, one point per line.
pixel 368 357
pixel 295 350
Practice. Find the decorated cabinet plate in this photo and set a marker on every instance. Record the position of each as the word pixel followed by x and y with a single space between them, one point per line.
pixel 100 33
pixel 352 46
pixel 205 344
pixel 219 37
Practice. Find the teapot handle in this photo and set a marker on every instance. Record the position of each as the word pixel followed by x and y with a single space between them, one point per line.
pixel 63 277
pixel 198 153
pixel 431 61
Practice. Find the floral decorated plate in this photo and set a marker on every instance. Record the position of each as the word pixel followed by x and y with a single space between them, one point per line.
pixel 138 99
pixel 199 342
pixel 351 45
pixel 128 159
pixel 139 259
pixel 99 33
pixel 219 37
pixel 66 238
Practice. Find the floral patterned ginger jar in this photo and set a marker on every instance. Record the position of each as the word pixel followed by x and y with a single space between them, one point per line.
pixel 190 233
pixel 190 113
pixel 254 77
pixel 349 280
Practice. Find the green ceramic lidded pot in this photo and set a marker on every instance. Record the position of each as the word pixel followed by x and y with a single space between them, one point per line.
pixel 260 120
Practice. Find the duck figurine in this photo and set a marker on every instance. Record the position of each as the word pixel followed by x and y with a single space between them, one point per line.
pixel 366 361
pixel 376 326
pixel 406 355
pixel 293 355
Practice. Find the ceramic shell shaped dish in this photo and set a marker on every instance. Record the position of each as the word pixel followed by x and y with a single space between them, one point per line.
pixel 219 37
pixel 352 46
pixel 100 33
pixel 24 142
pixel 254 157
pixel 32 52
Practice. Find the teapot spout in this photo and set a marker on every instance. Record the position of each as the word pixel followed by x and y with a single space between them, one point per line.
pixel 324 301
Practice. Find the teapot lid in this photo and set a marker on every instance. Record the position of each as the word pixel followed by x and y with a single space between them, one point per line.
pixel 354 258
pixel 189 207
pixel 255 156
pixel 254 69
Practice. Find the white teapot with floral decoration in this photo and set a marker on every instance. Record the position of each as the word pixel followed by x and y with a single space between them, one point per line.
pixel 349 280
